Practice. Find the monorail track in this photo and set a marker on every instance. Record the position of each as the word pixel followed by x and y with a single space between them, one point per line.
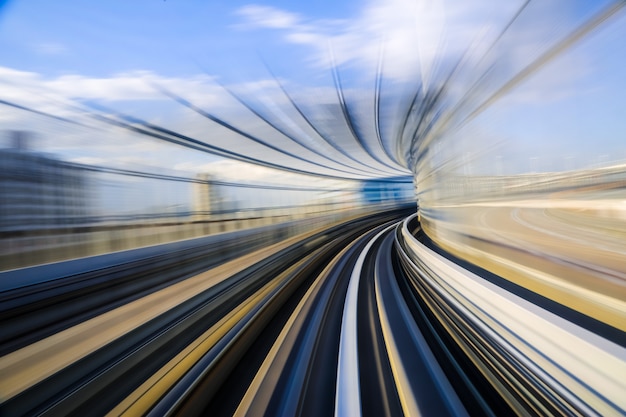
pixel 357 319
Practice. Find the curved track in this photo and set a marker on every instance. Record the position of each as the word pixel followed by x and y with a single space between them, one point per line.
pixel 357 319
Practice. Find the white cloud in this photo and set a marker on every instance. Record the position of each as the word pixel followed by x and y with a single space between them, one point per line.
pixel 419 39
pixel 231 170
pixel 415 34
pixel 267 17
pixel 14 75
pixel 90 160
pixel 137 85
pixel 57 95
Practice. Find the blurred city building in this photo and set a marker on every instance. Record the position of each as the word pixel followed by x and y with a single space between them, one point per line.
pixel 38 191
pixel 209 199
pixel 376 192
pixel 204 197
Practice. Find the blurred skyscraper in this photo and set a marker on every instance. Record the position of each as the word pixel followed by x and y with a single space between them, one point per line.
pixel 40 192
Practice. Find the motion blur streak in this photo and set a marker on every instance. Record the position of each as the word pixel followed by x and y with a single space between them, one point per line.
pixel 424 216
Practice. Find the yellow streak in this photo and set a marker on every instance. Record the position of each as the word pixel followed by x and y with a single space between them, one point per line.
pixel 405 394
pixel 611 311
pixel 143 398
pixel 25 367
pixel 265 370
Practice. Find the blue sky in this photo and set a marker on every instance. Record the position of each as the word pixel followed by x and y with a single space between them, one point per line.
pixel 107 50
pixel 171 37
